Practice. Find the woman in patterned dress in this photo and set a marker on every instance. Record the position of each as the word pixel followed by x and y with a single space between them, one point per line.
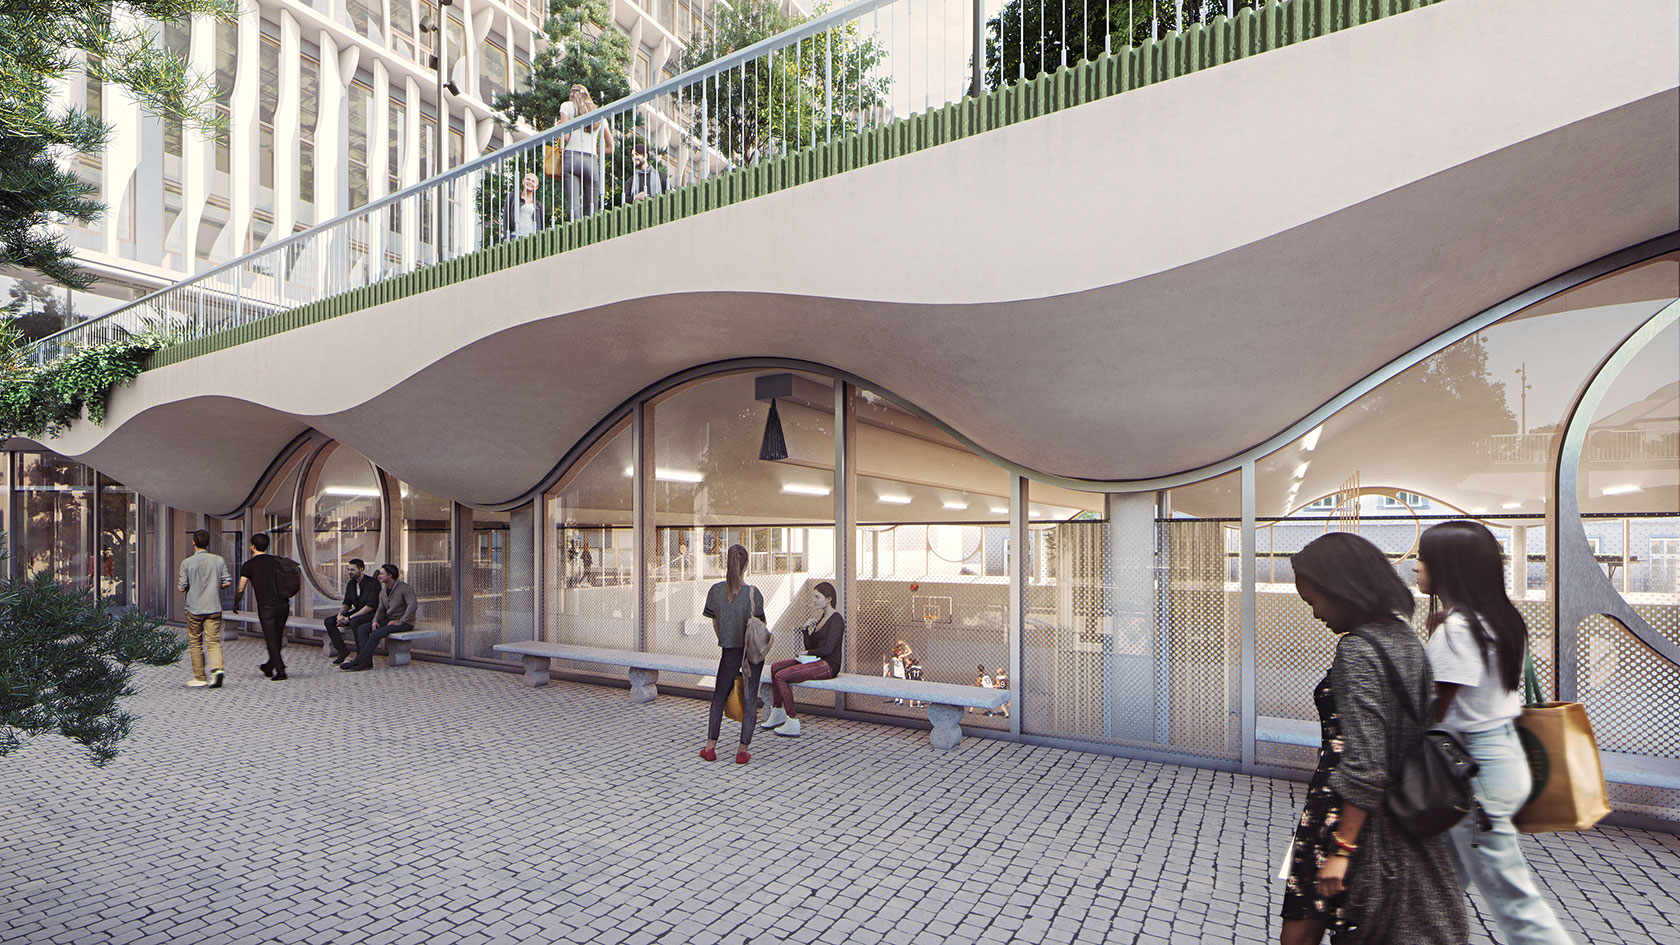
pixel 1353 871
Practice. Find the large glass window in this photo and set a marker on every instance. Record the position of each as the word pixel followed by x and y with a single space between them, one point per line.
pixel 499 583
pixel 119 543
pixel 366 18
pixel 267 100
pixel 493 70
pixel 361 108
pixel 342 516
pixel 932 593
pixel 711 490
pixel 55 518
pixel 309 111
pixel 427 560
pixel 402 27
pixel 589 552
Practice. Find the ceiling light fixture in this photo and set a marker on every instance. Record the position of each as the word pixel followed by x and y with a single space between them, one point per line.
pixel 893 499
pixel 955 505
pixel 1000 510
pixel 351 491
pixel 1310 441
pixel 1511 505
pixel 794 488
pixel 1301 470
pixel 1623 489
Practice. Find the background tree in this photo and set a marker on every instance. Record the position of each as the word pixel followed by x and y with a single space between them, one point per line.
pixel 583 49
pixel 66 662
pixel 36 309
pixel 43 41
pixel 802 94
pixel 1030 37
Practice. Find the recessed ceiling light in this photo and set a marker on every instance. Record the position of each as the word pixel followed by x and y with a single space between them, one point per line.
pixel 1310 441
pixel 955 505
pixel 1301 470
pixel 1000 510
pixel 794 488
pixel 1623 489
pixel 677 475
pixel 894 499
pixel 1511 505
pixel 351 491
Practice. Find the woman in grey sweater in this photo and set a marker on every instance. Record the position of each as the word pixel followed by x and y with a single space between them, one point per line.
pixel 1353 870
pixel 730 603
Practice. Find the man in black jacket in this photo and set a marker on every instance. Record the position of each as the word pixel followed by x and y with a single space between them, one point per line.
pixel 261 573
pixel 361 599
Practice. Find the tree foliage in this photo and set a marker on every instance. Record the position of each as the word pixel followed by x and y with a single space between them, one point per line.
pixel 41 43
pixel 66 662
pixel 584 48
pixel 1028 37
pixel 798 96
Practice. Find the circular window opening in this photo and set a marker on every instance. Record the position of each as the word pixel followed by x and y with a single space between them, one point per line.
pixel 342 512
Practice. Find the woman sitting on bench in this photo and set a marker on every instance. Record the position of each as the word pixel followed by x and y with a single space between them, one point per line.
pixel 821 660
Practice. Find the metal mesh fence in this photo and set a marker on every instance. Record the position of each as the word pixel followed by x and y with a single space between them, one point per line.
pixel 926 607
pixel 1631 693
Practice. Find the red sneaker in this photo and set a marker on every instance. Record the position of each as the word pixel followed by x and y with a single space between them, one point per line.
pixel 742 757
pixel 708 754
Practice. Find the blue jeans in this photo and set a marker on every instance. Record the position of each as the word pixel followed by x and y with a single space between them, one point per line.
pixel 1496 865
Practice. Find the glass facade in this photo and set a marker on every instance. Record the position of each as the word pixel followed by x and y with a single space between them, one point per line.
pixel 1160 621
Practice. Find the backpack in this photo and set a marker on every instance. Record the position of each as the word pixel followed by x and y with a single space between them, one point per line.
pixel 288 577
pixel 1434 789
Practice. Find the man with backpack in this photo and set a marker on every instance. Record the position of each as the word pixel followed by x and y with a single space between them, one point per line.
pixel 274 581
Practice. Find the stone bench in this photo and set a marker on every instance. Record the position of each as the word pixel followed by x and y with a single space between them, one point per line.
pixel 398 646
pixel 945 701
pixel 1619 768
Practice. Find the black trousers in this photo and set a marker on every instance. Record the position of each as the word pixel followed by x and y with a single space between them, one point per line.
pixel 356 623
pixel 729 670
pixel 368 638
pixel 272 617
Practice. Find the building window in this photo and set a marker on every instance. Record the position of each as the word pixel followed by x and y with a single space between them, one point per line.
pixel 521 74
pixel 644 69
pixel 309 112
pixel 210 228
pixel 402 27
pixel 1326 504
pixel 174 240
pixel 1404 500
pixel 268 95
pixel 493 70
pixel 365 17
pixel 361 106
pixel 1665 565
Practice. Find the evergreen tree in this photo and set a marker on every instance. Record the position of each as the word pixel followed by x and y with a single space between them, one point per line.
pixel 42 42
pixel 36 309
pixel 66 662
pixel 583 49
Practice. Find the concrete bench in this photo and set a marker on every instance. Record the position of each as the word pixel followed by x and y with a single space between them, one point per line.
pixel 398 646
pixel 945 701
pixel 1619 768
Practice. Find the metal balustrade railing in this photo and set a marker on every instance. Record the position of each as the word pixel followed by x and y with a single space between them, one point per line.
pixel 839 74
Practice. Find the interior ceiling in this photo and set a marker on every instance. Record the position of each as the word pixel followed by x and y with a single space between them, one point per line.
pixel 1155 372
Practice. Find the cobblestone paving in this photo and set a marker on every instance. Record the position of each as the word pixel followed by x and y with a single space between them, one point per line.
pixel 451 805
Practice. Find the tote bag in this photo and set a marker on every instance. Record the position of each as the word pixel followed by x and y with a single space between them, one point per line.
pixel 735 707
pixel 1569 791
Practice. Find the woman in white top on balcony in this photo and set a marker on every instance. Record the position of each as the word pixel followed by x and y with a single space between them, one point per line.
pixel 1476 651
pixel 580 156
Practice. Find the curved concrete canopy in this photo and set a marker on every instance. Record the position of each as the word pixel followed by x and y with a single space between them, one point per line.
pixel 1308 244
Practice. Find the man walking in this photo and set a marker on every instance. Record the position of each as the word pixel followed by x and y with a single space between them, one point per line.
pixel 203 575
pixel 644 180
pixel 361 599
pixel 397 609
pixel 262 575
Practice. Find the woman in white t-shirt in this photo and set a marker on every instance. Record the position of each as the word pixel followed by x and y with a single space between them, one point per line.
pixel 580 155
pixel 1476 651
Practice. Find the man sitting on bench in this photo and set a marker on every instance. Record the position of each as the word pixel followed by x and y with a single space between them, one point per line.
pixel 361 599
pixel 396 612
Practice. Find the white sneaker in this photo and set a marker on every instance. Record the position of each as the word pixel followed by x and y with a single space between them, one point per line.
pixel 195 683
pixel 777 716
pixel 790 728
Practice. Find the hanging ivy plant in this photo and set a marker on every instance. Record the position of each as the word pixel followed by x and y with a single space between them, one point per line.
pixel 41 401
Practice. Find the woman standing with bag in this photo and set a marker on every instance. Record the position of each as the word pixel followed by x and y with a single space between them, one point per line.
pixel 1353 870
pixel 580 156
pixel 731 603
pixel 1476 651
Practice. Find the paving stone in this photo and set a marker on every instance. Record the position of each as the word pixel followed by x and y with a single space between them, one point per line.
pixel 441 803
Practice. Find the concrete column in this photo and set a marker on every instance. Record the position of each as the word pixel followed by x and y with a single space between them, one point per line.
pixel 288 101
pixel 1519 562
pixel 1128 670
pixel 242 137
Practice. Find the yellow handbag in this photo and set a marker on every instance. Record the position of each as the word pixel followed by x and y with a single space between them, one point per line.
pixel 1569 791
pixel 735 707
pixel 551 159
